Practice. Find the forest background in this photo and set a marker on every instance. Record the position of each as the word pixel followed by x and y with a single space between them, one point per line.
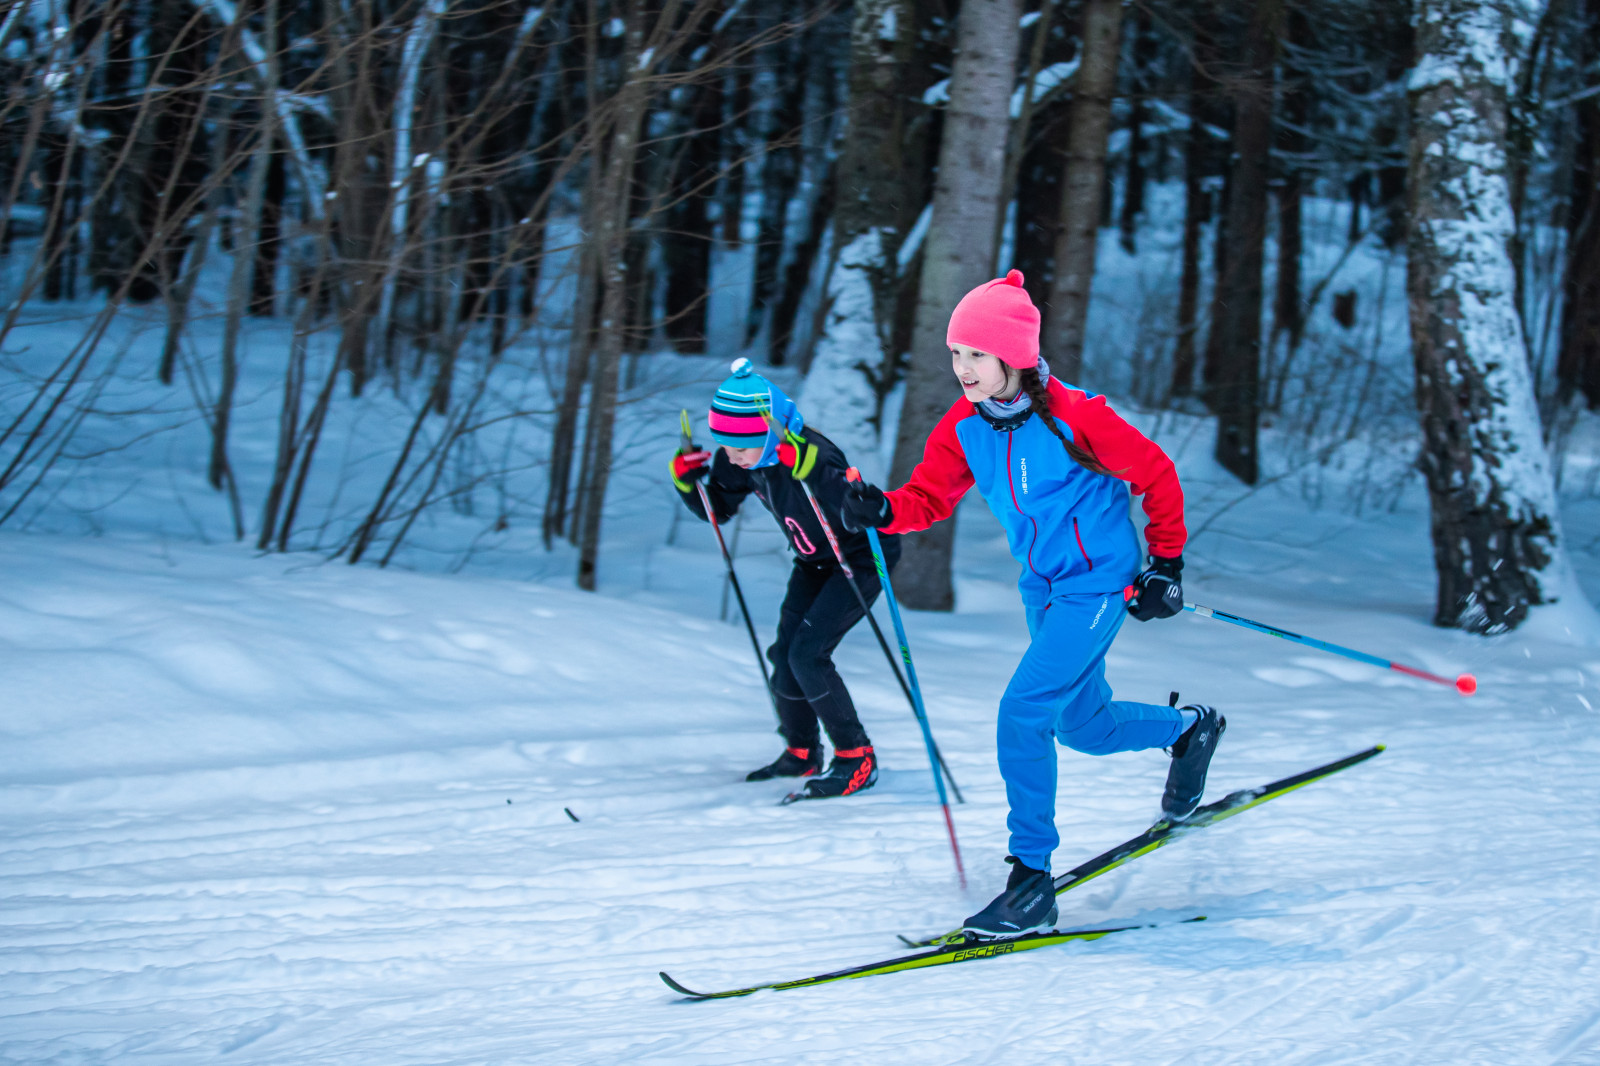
pixel 461 256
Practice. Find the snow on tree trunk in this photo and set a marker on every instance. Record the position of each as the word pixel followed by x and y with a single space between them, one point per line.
pixel 1495 531
pixel 838 396
pixel 841 395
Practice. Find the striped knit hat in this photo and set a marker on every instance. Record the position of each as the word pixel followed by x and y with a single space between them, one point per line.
pixel 744 408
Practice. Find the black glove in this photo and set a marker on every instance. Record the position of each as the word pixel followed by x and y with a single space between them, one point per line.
pixel 1158 592
pixel 865 505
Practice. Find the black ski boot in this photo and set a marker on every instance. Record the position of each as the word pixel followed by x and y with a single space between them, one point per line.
pixel 1191 757
pixel 1028 904
pixel 851 771
pixel 794 762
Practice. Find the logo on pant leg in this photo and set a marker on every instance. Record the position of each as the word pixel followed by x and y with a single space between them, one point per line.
pixel 1103 601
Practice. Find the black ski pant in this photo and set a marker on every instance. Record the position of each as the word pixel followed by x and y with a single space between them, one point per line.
pixel 818 611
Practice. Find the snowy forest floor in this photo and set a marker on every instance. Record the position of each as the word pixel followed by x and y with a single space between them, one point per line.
pixel 266 810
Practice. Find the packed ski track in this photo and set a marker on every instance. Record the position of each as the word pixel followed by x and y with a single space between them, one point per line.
pixel 259 810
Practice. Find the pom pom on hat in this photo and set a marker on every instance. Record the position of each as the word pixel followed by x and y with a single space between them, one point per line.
pixel 998 317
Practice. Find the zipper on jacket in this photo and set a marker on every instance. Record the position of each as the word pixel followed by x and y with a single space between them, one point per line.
pixel 1013 487
pixel 1079 537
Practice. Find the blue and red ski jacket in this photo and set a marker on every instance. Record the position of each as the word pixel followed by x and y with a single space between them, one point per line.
pixel 1068 526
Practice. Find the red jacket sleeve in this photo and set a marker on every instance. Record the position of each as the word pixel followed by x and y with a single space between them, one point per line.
pixel 1131 456
pixel 938 482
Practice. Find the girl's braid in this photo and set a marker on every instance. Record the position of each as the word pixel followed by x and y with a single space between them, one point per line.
pixel 1039 403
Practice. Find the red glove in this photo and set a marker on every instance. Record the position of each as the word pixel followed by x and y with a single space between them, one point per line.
pixel 688 467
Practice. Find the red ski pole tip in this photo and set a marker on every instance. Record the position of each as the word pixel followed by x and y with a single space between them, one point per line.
pixel 1466 684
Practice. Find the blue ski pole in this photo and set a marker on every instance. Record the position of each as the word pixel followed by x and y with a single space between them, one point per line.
pixel 916 690
pixel 1466 684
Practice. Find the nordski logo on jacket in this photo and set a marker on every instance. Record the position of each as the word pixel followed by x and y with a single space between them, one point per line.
pixel 1024 475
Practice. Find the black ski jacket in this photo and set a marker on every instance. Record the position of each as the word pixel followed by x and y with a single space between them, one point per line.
pixel 775 486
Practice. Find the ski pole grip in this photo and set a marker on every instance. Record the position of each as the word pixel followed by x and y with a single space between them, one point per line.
pixel 852 474
pixel 1127 594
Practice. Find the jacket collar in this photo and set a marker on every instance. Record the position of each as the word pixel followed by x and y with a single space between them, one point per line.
pixel 1004 416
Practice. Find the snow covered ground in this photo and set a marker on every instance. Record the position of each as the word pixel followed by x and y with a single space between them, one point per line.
pixel 272 809
pixel 261 810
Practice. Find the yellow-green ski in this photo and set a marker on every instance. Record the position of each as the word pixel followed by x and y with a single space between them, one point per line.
pixel 1165 832
pixel 942 956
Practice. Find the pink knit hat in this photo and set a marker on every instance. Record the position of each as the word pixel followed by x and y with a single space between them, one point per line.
pixel 997 317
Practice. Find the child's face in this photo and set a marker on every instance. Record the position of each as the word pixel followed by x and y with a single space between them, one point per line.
pixel 982 375
pixel 745 457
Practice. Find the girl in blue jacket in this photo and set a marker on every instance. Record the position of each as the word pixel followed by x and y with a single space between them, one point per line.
pixel 1056 466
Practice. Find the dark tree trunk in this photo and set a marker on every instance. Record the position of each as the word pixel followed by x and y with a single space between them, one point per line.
pixel 797 273
pixel 735 120
pixel 59 156
pixel 1358 199
pixel 780 176
pixel 1389 200
pixel 1039 199
pixel 1578 364
pixel 1083 188
pixel 686 240
pixel 1286 313
pixel 1143 50
pixel 263 297
pixel 1236 393
pixel 1197 213
pixel 1211 364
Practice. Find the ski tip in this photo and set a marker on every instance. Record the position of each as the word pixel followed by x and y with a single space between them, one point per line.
pixel 792 797
pixel 676 987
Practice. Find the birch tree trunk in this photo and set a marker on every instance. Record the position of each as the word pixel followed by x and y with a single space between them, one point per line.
pixel 611 239
pixel 418 39
pixel 957 255
pixel 1496 536
pixel 1082 187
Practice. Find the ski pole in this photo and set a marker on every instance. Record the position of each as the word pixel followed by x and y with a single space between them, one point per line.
pixel 850 579
pixel 911 672
pixel 1465 684
pixel 727 560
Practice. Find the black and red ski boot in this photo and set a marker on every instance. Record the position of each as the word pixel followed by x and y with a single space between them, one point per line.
pixel 852 770
pixel 794 762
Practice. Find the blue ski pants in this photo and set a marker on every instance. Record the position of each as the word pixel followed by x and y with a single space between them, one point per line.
pixel 1060 692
